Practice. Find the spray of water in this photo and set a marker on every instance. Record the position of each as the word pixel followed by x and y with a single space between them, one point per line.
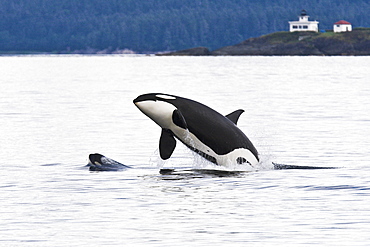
pixel 193 160
pixel 156 161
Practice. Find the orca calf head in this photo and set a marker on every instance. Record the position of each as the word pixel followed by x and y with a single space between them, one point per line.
pixel 98 162
pixel 95 159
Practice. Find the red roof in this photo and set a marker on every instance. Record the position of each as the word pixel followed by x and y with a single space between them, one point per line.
pixel 342 22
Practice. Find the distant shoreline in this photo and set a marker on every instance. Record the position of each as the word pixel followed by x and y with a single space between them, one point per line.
pixel 355 43
pixel 87 51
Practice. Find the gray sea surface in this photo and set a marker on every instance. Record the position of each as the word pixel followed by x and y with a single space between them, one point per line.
pixel 56 110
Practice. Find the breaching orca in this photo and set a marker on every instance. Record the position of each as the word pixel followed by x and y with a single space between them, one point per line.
pixel 98 162
pixel 202 129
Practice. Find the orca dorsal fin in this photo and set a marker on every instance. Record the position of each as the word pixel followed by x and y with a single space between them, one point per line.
pixel 234 116
pixel 167 144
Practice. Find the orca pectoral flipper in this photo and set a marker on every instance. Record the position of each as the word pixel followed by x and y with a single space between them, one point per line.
pixel 167 144
pixel 234 116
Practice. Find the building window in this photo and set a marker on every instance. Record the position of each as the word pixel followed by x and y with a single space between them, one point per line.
pixel 295 27
pixel 305 27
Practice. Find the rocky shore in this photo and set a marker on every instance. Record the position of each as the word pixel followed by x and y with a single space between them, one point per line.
pixel 353 43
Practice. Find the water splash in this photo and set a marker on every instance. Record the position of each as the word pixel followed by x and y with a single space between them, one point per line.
pixel 155 160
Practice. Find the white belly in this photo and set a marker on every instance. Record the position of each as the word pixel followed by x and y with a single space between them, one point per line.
pixel 227 160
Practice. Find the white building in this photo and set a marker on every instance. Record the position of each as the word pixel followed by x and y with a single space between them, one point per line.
pixel 303 24
pixel 342 26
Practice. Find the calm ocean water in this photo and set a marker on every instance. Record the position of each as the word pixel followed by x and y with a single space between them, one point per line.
pixel 55 110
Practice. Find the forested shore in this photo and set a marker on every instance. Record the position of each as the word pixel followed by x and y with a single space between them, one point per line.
pixel 70 26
